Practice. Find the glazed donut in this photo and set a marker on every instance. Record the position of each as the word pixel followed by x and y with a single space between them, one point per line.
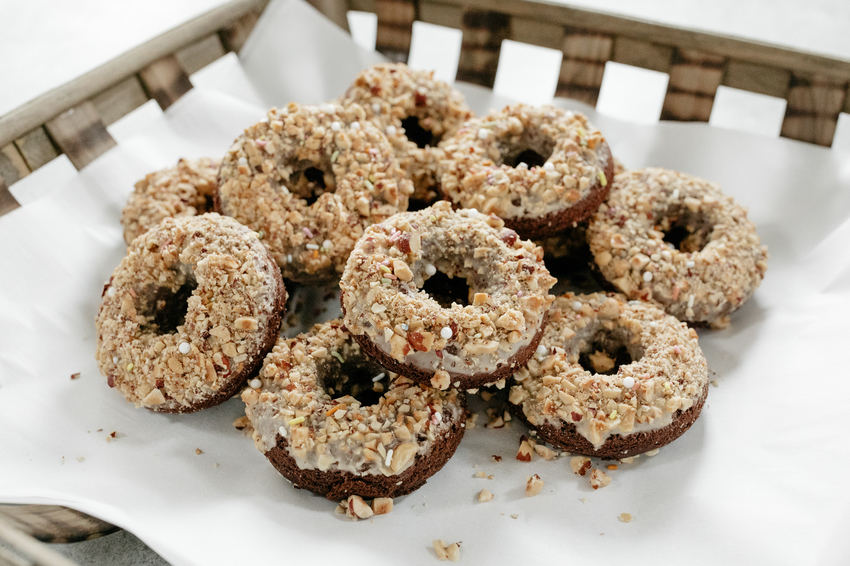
pixel 189 314
pixel 309 180
pixel 416 111
pixel 333 421
pixel 184 190
pixel 539 169
pixel 434 336
pixel 611 379
pixel 679 242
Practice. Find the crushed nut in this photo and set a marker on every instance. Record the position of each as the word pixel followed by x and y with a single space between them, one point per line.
pixel 356 508
pixel 382 505
pixel 525 450
pixel 533 485
pixel 598 479
pixel 580 464
pixel 450 552
pixel 198 451
pixel 484 495
pixel 625 517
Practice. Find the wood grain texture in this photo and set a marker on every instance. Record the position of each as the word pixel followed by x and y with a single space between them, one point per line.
pixel 760 79
pixel 80 134
pixel 13 168
pixel 234 35
pixel 36 148
pixel 120 100
pixel 165 81
pixel 694 78
pixel 483 33
pixel 52 523
pixel 201 53
pixel 8 202
pixel 395 28
pixel 642 54
pixel 814 102
pixel 585 55
pixel 441 14
pixel 536 32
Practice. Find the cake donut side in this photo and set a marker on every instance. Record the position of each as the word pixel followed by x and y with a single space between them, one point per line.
pixel 678 241
pixel 333 421
pixel 540 169
pixel 439 336
pixel 186 189
pixel 188 314
pixel 415 111
pixel 309 180
pixel 611 379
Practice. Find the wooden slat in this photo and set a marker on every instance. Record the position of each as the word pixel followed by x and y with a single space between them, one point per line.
pixel 36 148
pixel 39 110
pixel 120 100
pixel 80 134
pixel 8 203
pixel 441 14
pixel 642 54
pixel 13 168
pixel 233 36
pixel 483 33
pixel 757 78
pixel 200 54
pixel 813 105
pixel 395 28
pixel 536 32
pixel 585 55
pixel 694 78
pixel 55 524
pixel 335 10
pixel 165 81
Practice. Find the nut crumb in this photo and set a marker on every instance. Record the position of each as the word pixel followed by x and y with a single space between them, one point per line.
pixel 514 515
pixel 382 505
pixel 75 375
pixel 81 458
pixel 470 422
pixel 497 458
pixel 598 479
pixel 715 383
pixel 580 464
pixel 533 485
pixel 628 460
pixel 545 452
pixel 487 395
pixel 480 474
pixel 653 452
pixel 356 508
pixel 450 552
pixel 198 451
pixel 611 466
pixel 485 495
pixel 525 450
pixel 500 384
pixel 625 517
pixel 216 465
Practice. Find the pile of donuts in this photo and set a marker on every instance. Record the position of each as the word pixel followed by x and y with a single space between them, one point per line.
pixel 425 218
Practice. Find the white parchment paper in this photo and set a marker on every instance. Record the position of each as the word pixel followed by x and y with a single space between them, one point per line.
pixel 758 479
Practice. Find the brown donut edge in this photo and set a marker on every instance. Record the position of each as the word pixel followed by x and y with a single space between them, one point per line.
pixel 554 223
pixel 337 485
pixel 238 380
pixel 617 446
pixel 423 376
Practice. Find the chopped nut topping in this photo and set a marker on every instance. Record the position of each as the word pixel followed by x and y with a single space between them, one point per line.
pixel 580 464
pixel 485 495
pixel 625 517
pixel 598 479
pixel 450 552
pixel 382 505
pixel 533 485
pixel 525 450
pixel 356 508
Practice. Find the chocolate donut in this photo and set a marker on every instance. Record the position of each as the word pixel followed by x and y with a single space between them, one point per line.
pixel 540 169
pixel 415 111
pixel 309 179
pixel 188 314
pixel 333 421
pixel 446 336
pixel 185 190
pixel 678 241
pixel 611 379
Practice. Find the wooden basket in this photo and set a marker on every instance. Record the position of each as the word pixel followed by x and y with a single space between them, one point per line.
pixel 72 119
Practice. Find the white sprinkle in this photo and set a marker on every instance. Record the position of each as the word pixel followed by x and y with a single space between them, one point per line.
pixel 576 306
pixel 114 359
pixel 430 270
pixel 288 258
pixel 184 348
pixel 243 161
pixel 542 350
pixel 446 332
pixel 282 431
pixel 404 327
pixel 647 276
pixel 355 125
pixel 675 194
pixel 389 458
pixel 653 324
pixel 690 301
pixel 327 244
pixel 548 166
pixel 391 130
pixel 312 247
pixel 628 382
pixel 379 377
pixel 439 416
pixel 256 383
pixel 690 264
pixel 111 292
pixel 376 108
pixel 483 134
pixel 336 126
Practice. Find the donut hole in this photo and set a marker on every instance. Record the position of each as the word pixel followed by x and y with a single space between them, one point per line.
pixel 356 376
pixel 685 230
pixel 447 290
pixel 164 308
pixel 310 180
pixel 532 148
pixel 415 132
pixel 607 350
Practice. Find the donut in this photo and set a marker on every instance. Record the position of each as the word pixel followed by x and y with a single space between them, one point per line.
pixel 540 169
pixel 184 190
pixel 678 241
pixel 404 300
pixel 333 421
pixel 309 180
pixel 416 111
pixel 611 378
pixel 188 314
